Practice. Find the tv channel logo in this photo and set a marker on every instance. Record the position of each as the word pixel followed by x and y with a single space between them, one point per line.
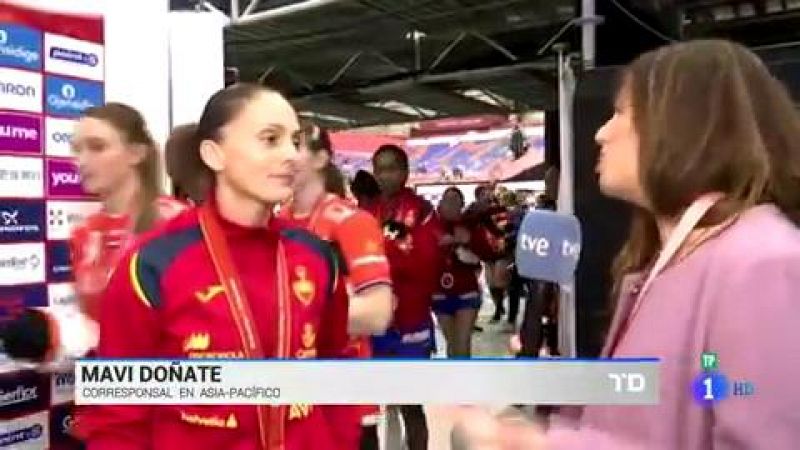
pixel 21 90
pixel 29 432
pixel 21 177
pixel 64 216
pixel 22 263
pixel 20 46
pixel 59 136
pixel 63 179
pixel 14 300
pixel 20 133
pixel 62 387
pixel 22 392
pixel 61 294
pixel 73 57
pixel 70 98
pixel 21 221
pixel 59 264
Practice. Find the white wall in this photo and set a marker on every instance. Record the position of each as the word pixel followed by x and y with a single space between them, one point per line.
pixel 197 62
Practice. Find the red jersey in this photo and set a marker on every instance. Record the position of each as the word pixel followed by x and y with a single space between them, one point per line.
pixel 170 291
pixel 97 245
pixel 414 260
pixel 355 233
pixel 359 239
pixel 459 274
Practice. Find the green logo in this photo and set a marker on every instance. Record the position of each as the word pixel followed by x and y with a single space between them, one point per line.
pixel 709 361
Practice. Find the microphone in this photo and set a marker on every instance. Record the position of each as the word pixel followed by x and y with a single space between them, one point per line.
pixel 548 246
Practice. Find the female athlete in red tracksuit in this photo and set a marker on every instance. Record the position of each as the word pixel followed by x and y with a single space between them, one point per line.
pixel 458 297
pixel 223 280
pixel 118 162
pixel 318 206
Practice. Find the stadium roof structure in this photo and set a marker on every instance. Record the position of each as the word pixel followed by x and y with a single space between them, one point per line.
pixel 353 63
pixel 349 63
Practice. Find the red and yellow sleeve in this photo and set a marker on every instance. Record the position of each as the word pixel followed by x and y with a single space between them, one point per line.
pixel 128 329
pixel 360 240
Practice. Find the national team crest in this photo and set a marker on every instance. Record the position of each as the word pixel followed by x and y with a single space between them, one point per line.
pixel 302 287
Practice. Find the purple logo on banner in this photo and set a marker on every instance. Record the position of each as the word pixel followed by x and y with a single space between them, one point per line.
pixel 20 133
pixel 63 179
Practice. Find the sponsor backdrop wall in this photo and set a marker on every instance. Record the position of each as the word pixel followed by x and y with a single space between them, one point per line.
pixel 52 68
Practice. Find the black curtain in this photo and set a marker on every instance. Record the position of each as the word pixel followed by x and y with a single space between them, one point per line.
pixel 604 221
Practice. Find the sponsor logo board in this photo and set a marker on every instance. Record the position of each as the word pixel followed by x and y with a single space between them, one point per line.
pixel 64 216
pixel 21 177
pixel 20 90
pixel 22 392
pixel 20 46
pixel 74 57
pixel 59 266
pixel 20 133
pixel 21 221
pixel 61 294
pixel 63 179
pixel 62 387
pixel 67 97
pixel 22 263
pixel 28 432
pixel 59 136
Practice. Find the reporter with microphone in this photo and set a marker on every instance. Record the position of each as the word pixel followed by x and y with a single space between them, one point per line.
pixel 704 144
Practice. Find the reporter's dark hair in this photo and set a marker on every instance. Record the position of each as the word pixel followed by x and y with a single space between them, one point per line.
pixel 318 140
pixel 188 179
pixel 365 185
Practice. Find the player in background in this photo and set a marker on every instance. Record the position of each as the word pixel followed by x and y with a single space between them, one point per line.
pixel 223 280
pixel 412 233
pixel 119 163
pixel 318 205
pixel 458 297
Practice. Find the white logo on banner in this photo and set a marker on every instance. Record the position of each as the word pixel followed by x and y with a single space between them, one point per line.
pixel 21 90
pixel 22 263
pixel 63 216
pixel 67 56
pixel 68 91
pixel 61 294
pixel 59 135
pixel 28 432
pixel 62 387
pixel 21 177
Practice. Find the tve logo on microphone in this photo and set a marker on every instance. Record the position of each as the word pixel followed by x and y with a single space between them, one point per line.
pixel 548 246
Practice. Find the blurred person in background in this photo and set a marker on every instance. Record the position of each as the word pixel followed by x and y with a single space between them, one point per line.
pixel 412 233
pixel 365 189
pixel 704 144
pixel 227 270
pixel 319 205
pixel 458 297
pixel 118 161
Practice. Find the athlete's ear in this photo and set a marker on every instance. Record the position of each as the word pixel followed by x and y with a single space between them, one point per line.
pixel 212 155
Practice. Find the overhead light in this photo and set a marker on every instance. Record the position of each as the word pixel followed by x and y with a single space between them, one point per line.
pixel 487 96
pixel 326 117
pixel 415 34
pixel 404 108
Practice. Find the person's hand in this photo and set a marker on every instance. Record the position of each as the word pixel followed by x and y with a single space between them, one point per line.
pixel 514 344
pixel 477 429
